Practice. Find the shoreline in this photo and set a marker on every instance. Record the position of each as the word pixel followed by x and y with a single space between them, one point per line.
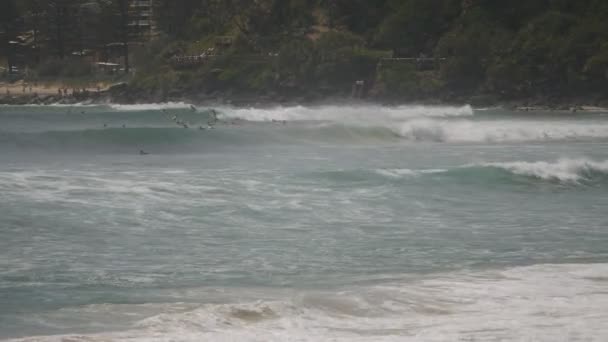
pixel 119 95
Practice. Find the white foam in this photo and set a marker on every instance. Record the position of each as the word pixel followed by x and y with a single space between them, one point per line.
pixel 439 130
pixel 117 190
pixel 347 113
pixel 566 170
pixel 150 106
pixel 431 123
pixel 58 105
pixel 536 303
pixel 400 173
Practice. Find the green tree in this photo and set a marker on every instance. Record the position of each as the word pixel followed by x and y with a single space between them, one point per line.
pixel 8 22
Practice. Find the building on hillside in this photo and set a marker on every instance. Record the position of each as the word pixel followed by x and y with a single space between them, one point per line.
pixel 141 20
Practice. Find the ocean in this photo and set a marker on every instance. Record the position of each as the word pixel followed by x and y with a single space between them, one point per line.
pixel 322 223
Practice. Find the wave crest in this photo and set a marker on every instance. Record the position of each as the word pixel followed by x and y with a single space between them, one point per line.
pixel 498 130
pixel 565 170
pixel 150 106
pixel 345 114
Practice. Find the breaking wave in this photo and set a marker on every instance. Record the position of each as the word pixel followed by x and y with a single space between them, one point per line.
pixel 564 170
pixel 567 171
pixel 150 106
pixel 499 130
pixel 346 114
pixel 325 124
pixel 505 305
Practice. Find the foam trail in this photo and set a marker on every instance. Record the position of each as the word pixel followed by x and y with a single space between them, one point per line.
pixel 566 170
pixel 352 113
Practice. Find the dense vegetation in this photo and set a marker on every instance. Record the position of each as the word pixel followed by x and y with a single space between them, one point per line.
pixel 315 48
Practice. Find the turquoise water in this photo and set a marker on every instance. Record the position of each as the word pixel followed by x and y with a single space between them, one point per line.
pixel 332 223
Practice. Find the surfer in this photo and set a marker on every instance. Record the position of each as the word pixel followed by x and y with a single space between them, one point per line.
pixel 193 108
pixel 105 125
pixel 143 153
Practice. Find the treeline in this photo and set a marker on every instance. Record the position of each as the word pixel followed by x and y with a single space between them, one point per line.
pixel 52 35
pixel 511 49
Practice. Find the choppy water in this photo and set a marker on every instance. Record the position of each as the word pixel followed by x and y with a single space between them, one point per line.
pixel 333 223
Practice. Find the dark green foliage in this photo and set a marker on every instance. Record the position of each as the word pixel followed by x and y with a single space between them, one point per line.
pixel 512 48
pixel 68 68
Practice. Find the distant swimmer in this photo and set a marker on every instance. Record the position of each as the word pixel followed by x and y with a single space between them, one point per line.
pixel 124 126
pixel 143 153
pixel 105 125
pixel 185 125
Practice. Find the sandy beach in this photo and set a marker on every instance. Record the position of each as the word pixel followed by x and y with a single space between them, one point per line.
pixel 20 88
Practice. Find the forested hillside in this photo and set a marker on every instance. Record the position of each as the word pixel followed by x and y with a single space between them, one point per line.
pixel 385 49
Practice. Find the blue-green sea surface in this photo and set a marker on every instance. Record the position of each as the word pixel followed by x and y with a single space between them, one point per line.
pixel 329 223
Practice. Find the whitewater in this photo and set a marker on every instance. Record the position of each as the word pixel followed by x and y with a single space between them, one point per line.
pixel 350 222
